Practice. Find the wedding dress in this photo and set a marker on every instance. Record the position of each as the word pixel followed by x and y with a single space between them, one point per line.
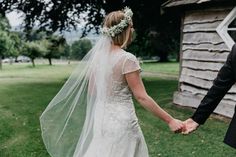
pixel 93 115
pixel 117 132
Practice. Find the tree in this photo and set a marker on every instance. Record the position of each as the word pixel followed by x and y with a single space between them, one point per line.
pixel 35 35
pixel 52 45
pixel 80 47
pixel 5 40
pixel 33 50
pixel 64 15
pixel 55 47
pixel 4 24
pixel 67 51
pixel 158 33
pixel 56 15
pixel 17 44
pixel 5 45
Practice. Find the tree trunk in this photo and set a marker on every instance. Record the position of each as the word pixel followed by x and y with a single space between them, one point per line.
pixel 0 62
pixel 50 61
pixel 32 60
pixel 11 61
pixel 178 57
pixel 163 57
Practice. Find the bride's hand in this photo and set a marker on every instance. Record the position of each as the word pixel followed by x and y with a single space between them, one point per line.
pixel 176 125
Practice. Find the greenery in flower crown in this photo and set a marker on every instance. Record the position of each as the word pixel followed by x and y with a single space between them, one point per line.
pixel 117 29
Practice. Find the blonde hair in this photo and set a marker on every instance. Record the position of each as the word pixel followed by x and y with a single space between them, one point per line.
pixel 122 39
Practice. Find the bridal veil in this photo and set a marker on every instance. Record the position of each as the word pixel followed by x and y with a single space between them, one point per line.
pixel 68 121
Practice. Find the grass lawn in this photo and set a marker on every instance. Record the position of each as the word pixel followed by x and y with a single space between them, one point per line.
pixel 26 91
pixel 171 68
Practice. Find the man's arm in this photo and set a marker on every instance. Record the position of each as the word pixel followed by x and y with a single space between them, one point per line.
pixel 223 82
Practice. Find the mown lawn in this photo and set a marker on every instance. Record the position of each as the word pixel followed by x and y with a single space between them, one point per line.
pixel 26 91
pixel 171 68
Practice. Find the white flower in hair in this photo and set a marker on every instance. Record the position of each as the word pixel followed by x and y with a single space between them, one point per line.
pixel 117 29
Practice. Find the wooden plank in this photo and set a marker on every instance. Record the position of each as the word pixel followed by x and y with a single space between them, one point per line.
pixel 204 56
pixel 206 47
pixel 202 37
pixel 225 107
pixel 202 27
pixel 202 74
pixel 179 3
pixel 205 84
pixel 206 16
pixel 195 81
pixel 209 25
pixel 197 91
pixel 199 21
pixel 206 30
pixel 201 65
pixel 180 49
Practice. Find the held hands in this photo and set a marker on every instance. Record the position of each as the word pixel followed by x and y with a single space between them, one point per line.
pixel 176 125
pixel 190 126
pixel 185 127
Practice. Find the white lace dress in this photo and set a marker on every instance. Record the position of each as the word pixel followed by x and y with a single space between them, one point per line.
pixel 117 133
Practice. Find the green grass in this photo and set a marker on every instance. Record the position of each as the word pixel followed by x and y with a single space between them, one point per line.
pixel 24 94
pixel 171 68
pixel 26 91
pixel 205 142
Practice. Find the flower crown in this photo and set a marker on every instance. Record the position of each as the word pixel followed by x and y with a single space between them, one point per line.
pixel 117 29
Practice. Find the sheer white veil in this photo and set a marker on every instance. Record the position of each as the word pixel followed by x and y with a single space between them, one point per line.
pixel 67 123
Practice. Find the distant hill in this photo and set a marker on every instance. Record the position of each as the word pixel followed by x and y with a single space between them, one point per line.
pixel 71 36
pixel 76 34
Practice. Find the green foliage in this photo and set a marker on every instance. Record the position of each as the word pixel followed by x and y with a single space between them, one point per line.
pixel 80 48
pixel 10 44
pixel 34 35
pixel 165 26
pixel 4 24
pixel 55 47
pixel 51 46
pixel 61 15
pixel 67 51
pixel 17 44
pixel 5 43
pixel 34 50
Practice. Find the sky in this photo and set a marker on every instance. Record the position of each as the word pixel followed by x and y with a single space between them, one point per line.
pixel 14 18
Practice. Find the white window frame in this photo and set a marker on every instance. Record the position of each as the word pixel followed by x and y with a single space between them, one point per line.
pixel 223 29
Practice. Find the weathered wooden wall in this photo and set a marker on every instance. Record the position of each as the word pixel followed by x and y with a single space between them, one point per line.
pixel 203 54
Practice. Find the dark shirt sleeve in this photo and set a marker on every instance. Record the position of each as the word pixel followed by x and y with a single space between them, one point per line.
pixel 222 83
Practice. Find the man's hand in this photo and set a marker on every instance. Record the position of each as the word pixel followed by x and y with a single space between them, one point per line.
pixel 190 126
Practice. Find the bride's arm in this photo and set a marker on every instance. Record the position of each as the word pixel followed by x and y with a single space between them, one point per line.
pixel 136 85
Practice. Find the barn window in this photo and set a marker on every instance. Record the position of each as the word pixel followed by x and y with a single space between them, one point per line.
pixel 227 29
pixel 232 29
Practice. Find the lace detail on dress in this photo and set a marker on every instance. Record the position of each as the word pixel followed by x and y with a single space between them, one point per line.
pixel 117 133
pixel 131 64
pixel 119 117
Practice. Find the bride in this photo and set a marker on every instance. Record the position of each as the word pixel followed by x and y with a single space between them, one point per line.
pixel 93 115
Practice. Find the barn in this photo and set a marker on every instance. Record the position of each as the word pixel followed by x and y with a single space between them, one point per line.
pixel 208 32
